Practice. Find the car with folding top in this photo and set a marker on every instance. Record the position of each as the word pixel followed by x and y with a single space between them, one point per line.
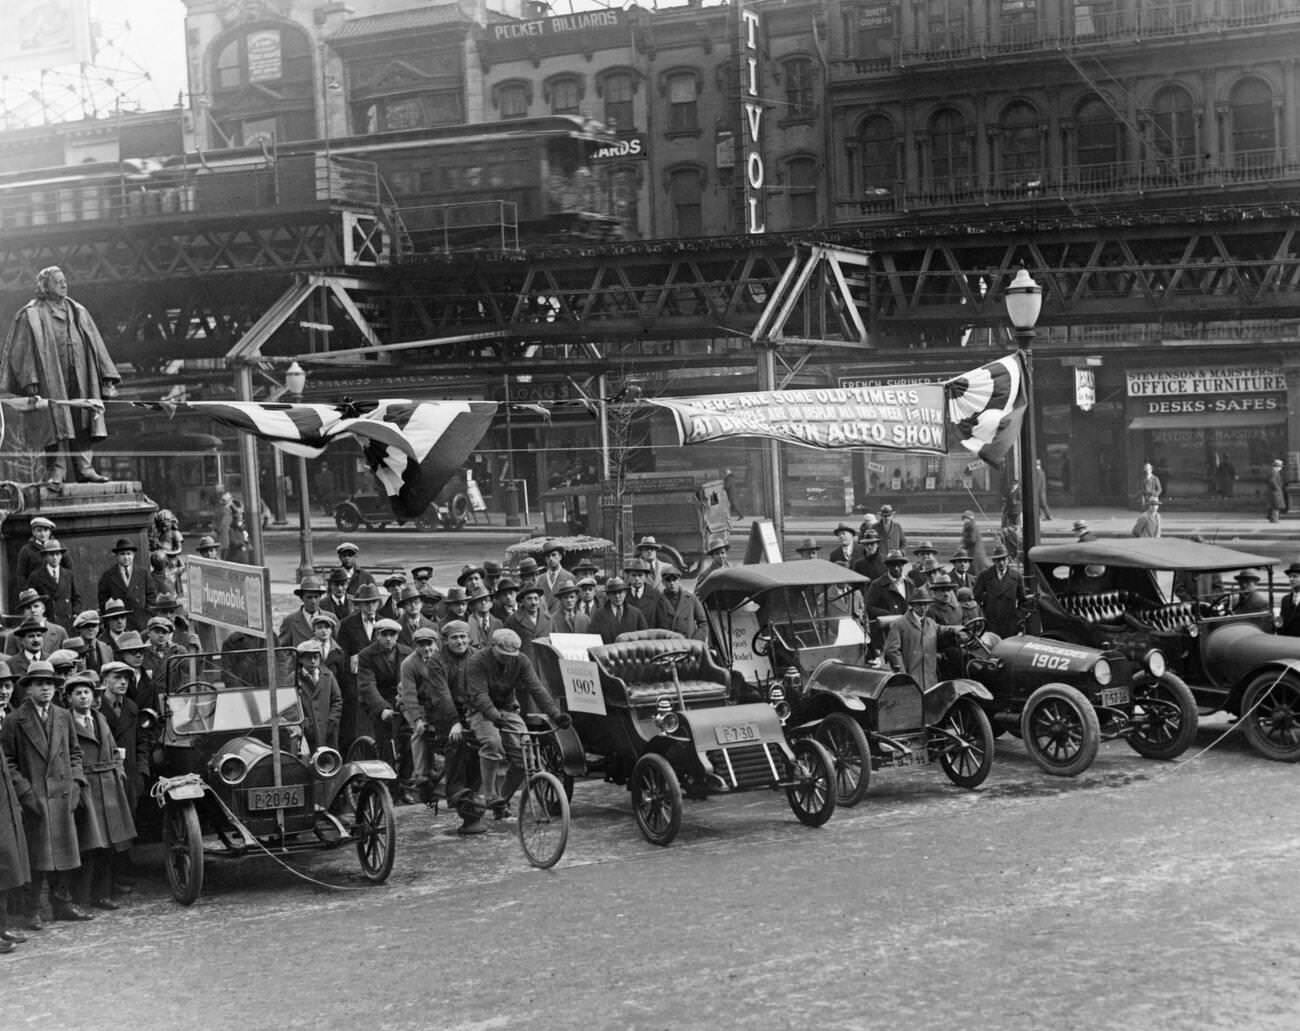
pixel 654 712
pixel 1171 595
pixel 789 632
pixel 239 780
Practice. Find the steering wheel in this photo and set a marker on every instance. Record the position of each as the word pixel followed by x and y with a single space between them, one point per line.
pixel 973 633
pixel 762 642
pixel 192 685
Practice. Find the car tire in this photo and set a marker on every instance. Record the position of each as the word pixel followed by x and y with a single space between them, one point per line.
pixel 967 764
pixel 375 830
pixel 1270 716
pixel 183 851
pixel 846 741
pixel 1169 722
pixel 1060 729
pixel 811 793
pixel 347 519
pixel 656 799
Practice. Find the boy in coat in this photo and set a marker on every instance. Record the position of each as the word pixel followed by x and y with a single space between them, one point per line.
pixel 40 745
pixel 319 696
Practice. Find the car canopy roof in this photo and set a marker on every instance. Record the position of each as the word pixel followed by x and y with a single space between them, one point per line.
pixel 1147 553
pixel 735 585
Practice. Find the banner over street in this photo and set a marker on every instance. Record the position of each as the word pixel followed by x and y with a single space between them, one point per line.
pixel 903 418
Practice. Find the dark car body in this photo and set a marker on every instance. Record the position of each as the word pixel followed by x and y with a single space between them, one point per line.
pixel 788 632
pixel 1168 593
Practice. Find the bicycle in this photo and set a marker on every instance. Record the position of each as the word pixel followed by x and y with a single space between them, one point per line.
pixel 543 805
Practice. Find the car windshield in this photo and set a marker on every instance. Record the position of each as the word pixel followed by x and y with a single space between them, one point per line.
pixel 215 710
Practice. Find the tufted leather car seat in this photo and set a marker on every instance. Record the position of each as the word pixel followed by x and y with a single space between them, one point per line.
pixel 630 676
pixel 652 634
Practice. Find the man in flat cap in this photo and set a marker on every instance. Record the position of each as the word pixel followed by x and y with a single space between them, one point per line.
pixel 31 555
pixel 379 672
pixel 426 704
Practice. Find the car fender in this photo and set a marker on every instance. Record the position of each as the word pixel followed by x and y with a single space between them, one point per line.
pixel 702 725
pixel 943 695
pixel 348 508
pixel 1276 666
pixel 852 700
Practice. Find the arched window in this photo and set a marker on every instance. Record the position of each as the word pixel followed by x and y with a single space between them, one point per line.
pixel 1098 143
pixel 513 97
pixel 1173 131
pixel 1253 138
pixel 263 85
pixel 801 189
pixel 564 93
pixel 686 191
pixel 950 150
pixel 877 156
pixel 1021 145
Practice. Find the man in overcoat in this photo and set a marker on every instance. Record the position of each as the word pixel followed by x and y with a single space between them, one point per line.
pixel 379 667
pixel 679 609
pixel 296 627
pixel 616 616
pixel 887 597
pixel 913 643
pixel 54 350
pixel 56 582
pixel 15 867
pixel 40 745
pixel 1000 592
pixel 1290 626
pixel 427 706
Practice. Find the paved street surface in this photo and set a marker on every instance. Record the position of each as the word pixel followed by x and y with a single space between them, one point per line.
pixel 1139 896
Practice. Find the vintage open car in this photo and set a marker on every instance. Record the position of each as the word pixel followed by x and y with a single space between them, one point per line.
pixel 1133 596
pixel 788 631
pixel 655 712
pixel 222 781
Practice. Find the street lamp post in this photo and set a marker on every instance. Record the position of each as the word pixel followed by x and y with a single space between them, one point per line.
pixel 1024 300
pixel 295 382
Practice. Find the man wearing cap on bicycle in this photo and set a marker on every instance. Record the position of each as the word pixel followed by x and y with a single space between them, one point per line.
pixel 425 702
pixel 461 756
pixel 497 678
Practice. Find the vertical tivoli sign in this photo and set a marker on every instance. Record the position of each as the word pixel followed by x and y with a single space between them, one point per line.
pixel 751 130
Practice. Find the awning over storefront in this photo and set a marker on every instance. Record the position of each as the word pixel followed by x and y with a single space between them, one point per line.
pixel 1208 420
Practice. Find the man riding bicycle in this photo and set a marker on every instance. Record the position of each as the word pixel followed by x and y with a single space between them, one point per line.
pixel 497 678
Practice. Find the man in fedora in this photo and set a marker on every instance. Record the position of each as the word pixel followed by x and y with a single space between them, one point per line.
pixel 40 745
pixel 913 643
pixel 531 620
pixel 455 605
pixel 1000 593
pixel 527 571
pixel 31 605
pixel 647 550
pixel 296 626
pixel 29 636
pixel 127 581
pixel 554 576
pixel 867 559
pixel 567 618
pixel 480 619
pixel 114 616
pixel 336 598
pixel 886 597
pixel 807 548
pixel 55 581
pixel 616 616
pixel 715 557
pixel 393 584
pixel 1082 533
pixel 1291 602
pixel 1148 523
pixel 410 614
pixel 842 553
pixel 471 577
pixel 960 574
pixel 208 547
pixel 1250 599
pixel 1276 490
pixel 357 577
pixel 15 864
pixel 890 531
pixel 505 600
pixel 95 651
pixel 355 634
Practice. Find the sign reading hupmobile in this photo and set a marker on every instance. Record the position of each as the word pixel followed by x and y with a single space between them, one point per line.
pixel 903 418
pixel 227 594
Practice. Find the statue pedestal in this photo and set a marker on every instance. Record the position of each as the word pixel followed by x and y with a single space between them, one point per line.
pixel 88 518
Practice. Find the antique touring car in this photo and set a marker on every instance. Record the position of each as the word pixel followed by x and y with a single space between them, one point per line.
pixel 237 769
pixel 1167 594
pixel 787 630
pixel 656 713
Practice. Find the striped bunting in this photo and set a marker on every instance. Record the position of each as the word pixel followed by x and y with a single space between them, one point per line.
pixel 412 447
pixel 987 405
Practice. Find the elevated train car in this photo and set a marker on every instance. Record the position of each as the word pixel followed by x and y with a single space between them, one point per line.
pixel 499 185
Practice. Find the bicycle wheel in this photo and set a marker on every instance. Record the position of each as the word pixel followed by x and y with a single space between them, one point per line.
pixel 543 820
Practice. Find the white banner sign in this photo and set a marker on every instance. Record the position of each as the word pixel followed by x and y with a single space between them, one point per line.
pixel 582 686
pixel 744 625
pixel 1216 379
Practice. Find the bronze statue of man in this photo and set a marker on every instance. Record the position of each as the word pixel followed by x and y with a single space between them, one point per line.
pixel 54 352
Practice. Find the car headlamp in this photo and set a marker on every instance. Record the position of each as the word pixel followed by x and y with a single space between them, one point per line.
pixel 232 769
pixel 326 761
pixel 776 699
pixel 1102 672
pixel 1154 660
pixel 665 719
